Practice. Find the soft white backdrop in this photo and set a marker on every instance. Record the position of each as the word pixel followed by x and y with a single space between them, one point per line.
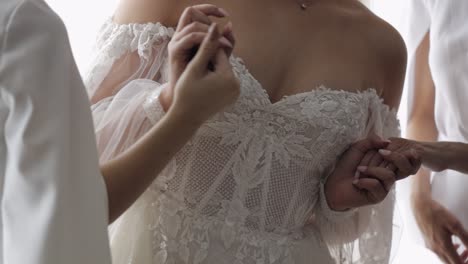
pixel 84 18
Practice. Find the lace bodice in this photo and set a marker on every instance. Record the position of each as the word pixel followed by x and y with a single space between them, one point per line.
pixel 248 188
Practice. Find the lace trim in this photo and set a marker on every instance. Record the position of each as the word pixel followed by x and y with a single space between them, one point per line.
pixel 117 39
pixel 152 107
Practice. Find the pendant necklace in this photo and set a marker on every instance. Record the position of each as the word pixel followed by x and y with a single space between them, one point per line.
pixel 304 4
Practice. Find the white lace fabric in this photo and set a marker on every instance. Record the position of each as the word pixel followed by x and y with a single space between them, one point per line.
pixel 245 188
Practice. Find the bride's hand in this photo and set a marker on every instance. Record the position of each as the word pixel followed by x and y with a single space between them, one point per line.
pixel 202 91
pixel 344 191
pixel 192 28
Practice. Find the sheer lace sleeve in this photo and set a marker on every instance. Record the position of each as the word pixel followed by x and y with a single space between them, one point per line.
pixel 124 83
pixel 362 235
pixel 124 53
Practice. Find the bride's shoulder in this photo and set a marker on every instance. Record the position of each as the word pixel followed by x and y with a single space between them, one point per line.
pixel 391 59
pixel 145 11
pixel 388 51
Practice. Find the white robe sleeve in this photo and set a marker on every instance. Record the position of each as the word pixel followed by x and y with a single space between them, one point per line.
pixel 53 200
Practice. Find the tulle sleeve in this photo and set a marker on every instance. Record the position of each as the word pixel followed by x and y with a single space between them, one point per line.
pixel 362 235
pixel 124 82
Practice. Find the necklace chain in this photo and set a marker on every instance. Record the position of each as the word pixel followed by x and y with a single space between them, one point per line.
pixel 303 4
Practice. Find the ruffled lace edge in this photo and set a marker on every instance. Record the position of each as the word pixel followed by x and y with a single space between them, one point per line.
pixel 131 37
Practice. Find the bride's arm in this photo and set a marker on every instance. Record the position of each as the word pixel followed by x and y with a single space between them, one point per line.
pixel 198 93
pixel 144 11
pixel 367 219
pixel 390 77
pixel 130 65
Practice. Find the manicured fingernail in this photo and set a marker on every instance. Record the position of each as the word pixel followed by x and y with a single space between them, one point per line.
pixel 357 174
pixel 387 141
pixel 385 152
pixel 362 168
pixel 223 11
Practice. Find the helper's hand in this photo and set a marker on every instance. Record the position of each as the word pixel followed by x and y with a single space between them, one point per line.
pixel 400 156
pixel 434 156
pixel 438 225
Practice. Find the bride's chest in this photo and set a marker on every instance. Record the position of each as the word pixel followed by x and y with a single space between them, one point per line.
pixel 302 126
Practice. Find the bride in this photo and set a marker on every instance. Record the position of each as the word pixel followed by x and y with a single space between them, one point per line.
pixel 266 181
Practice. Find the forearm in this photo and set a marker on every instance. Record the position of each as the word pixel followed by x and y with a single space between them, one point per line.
pixel 421 129
pixel 130 174
pixel 450 155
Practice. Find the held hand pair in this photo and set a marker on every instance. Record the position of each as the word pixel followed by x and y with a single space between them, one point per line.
pixel 201 81
pixel 366 173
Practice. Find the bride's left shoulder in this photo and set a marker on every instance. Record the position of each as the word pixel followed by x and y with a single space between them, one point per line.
pixel 390 55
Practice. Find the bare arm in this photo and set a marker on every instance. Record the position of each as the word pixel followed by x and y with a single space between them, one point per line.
pixel 166 12
pixel 439 156
pixel 160 144
pixel 421 125
pixel 437 224
pixel 199 93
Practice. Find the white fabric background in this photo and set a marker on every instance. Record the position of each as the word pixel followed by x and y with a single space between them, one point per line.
pixel 84 18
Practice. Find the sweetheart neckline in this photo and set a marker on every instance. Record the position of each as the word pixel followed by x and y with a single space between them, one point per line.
pixel 265 96
pixel 319 89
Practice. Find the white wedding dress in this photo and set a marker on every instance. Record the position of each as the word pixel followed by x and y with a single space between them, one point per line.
pixel 248 188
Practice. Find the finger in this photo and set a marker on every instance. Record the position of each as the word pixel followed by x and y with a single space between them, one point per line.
pixel 222 64
pixel 376 160
pixel 458 230
pixel 370 143
pixel 367 158
pixel 201 14
pixel 365 162
pixel 191 28
pixel 189 16
pixel 384 164
pixel 415 159
pixel 197 27
pixel 211 10
pixel 229 35
pixel 404 167
pixel 208 49
pixel 391 167
pixel 195 38
pixel 464 256
pixel 372 188
pixel 384 176
pixel 450 252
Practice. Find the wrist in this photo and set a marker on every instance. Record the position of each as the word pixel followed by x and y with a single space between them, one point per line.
pixel 333 198
pixel 420 198
pixel 183 119
pixel 165 97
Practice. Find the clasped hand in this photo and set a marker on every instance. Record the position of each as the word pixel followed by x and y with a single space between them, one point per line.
pixel 367 171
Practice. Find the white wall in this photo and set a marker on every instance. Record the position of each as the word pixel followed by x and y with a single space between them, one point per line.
pixel 83 19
